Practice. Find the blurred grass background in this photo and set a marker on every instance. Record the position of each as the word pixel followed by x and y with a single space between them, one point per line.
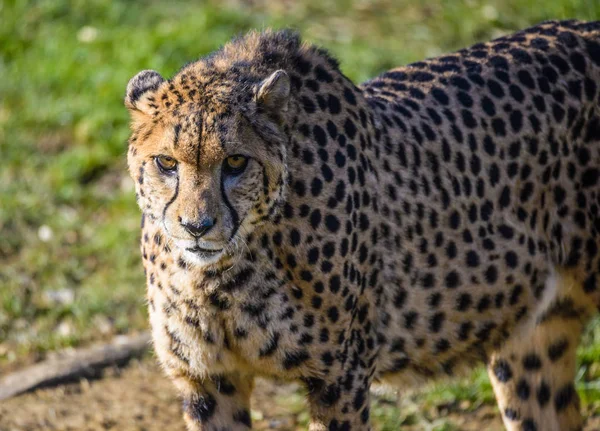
pixel 70 271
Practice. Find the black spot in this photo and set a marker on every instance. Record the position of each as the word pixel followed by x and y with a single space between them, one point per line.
pixel 316 186
pixel 590 177
pixel 243 416
pixel 491 274
pixel 529 425
pixel 593 50
pixel 330 395
pixel 436 322
pixel 454 220
pixel 223 385
pixel 427 281
pixel 464 330
pixel 460 82
pixel 239 280
pixel 334 284
pixel 590 285
pixel 516 120
pixel 451 250
pixel 300 188
pixel 511 259
pixel 502 371
pixel 349 96
pixel 488 106
pixel 499 127
pixel 516 93
pixel 511 414
pixel 319 135
pixel 452 280
pixel 578 62
pixel 308 157
pixel 465 99
pixel 564 397
pixel 506 231
pixel 359 400
pixel 468 119
pixel 308 105
pixel 532 362
pixel 442 345
pixel 495 88
pixel 557 349
pixel 526 79
pixel 333 133
pixel 334 104
pixel 472 259
pixel 200 407
pixel 333 314
pixel 350 128
pixel 523 389
pixel 543 394
pixel 295 359
pixel 410 319
pixel 327 173
pixel 504 200
pixel 421 76
pixel 327 359
pixel 440 95
pixel 489 146
pixel 332 223
pixel 219 301
pixel 323 75
pixel 315 219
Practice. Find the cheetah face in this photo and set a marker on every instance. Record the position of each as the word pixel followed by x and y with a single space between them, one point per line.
pixel 208 170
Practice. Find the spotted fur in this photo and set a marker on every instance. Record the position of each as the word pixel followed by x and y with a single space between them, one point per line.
pixel 439 215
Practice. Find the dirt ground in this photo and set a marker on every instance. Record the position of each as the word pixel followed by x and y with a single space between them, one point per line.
pixel 139 398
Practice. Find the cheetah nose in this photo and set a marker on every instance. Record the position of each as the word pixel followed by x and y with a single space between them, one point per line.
pixel 198 228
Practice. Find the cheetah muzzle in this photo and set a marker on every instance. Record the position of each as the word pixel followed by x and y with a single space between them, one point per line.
pixel 444 213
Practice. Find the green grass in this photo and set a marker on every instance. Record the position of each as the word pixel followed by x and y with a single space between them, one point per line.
pixel 69 265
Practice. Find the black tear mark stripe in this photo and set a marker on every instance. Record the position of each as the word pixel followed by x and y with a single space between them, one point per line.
pixel 176 139
pixel 234 215
pixel 172 198
pixel 200 125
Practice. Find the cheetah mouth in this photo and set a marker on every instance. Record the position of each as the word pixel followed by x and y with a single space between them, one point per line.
pixel 204 251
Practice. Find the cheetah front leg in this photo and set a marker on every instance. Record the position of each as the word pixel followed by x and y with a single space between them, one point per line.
pixel 533 373
pixel 219 402
pixel 340 404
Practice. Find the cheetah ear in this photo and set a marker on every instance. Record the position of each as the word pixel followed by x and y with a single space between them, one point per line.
pixel 274 92
pixel 140 89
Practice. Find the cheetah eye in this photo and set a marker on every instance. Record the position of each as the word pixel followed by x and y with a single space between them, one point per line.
pixel 166 164
pixel 235 165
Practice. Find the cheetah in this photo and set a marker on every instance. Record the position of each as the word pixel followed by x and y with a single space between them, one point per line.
pixel 443 214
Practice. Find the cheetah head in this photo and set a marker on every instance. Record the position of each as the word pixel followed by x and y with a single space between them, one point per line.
pixel 207 154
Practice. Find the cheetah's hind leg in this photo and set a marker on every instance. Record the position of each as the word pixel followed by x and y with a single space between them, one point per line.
pixel 217 402
pixel 533 373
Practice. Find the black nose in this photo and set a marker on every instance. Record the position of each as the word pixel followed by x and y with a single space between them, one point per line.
pixel 199 228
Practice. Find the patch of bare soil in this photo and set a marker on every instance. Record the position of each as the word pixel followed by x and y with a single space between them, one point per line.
pixel 140 398
pixel 136 398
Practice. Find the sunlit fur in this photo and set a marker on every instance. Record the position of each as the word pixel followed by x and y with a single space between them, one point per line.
pixel 200 141
pixel 443 214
